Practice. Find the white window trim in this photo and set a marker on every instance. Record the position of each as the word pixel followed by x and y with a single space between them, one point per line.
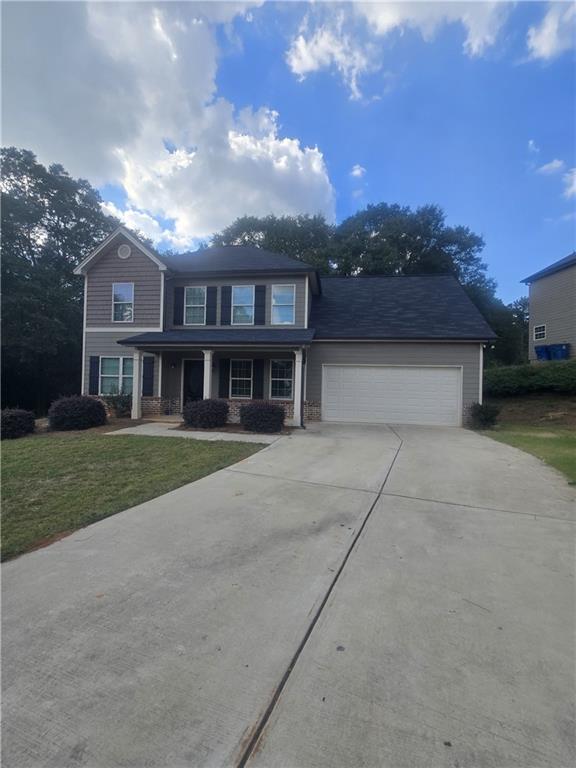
pixel 122 322
pixel 293 305
pixel 232 305
pixel 280 360
pixel 241 397
pixel 205 287
pixel 120 376
pixel 539 338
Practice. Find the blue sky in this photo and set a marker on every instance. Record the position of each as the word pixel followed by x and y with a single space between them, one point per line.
pixel 189 115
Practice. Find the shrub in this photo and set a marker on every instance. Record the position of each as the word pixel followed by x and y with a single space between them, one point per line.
pixel 262 417
pixel 508 381
pixel 76 412
pixel 206 414
pixel 16 422
pixel 483 415
pixel 120 405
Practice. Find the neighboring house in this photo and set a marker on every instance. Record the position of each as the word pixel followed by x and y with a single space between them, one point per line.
pixel 552 293
pixel 241 323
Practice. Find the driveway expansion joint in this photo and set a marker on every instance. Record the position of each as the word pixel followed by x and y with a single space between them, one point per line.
pixel 258 730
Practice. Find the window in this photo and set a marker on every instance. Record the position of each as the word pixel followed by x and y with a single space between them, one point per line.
pixel 281 376
pixel 242 305
pixel 539 332
pixel 123 302
pixel 283 304
pixel 116 375
pixel 195 305
pixel 241 378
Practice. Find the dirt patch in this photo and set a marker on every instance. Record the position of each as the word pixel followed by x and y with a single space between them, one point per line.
pixel 537 410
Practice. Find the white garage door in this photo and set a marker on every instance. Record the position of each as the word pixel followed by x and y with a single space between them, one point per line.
pixel 392 394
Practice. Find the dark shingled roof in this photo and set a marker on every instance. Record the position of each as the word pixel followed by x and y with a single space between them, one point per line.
pixel 424 307
pixel 228 335
pixel 564 263
pixel 234 258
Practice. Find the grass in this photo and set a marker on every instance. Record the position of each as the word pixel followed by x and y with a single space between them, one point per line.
pixel 543 425
pixel 54 484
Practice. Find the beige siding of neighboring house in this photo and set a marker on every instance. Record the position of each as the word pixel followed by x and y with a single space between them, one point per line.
pixel 466 355
pixel 137 269
pixel 300 297
pixel 553 304
pixel 104 344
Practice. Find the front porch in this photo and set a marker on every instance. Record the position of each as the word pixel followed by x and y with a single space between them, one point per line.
pixel 237 375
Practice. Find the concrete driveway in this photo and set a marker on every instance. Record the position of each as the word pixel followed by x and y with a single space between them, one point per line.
pixel 349 596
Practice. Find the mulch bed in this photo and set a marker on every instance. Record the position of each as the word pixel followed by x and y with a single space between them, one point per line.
pixel 232 428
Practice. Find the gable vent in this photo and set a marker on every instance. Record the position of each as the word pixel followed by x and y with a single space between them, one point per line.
pixel 124 251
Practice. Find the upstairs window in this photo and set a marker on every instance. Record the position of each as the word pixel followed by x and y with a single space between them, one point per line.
pixel 123 302
pixel 242 305
pixel 116 375
pixel 539 332
pixel 195 305
pixel 283 301
pixel 281 377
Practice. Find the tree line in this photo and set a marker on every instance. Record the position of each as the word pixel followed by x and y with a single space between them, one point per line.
pixel 51 221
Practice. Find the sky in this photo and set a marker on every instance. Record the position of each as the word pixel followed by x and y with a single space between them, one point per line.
pixel 188 115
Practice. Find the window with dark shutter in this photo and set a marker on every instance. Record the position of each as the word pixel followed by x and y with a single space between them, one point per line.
pixel 226 306
pixel 260 305
pixel 211 297
pixel 178 318
pixel 224 379
pixel 94 374
pixel 257 379
pixel 148 377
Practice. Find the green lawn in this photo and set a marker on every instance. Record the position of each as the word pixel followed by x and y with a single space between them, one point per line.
pixel 553 444
pixel 53 484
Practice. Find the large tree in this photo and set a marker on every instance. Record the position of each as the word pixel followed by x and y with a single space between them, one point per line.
pixel 50 222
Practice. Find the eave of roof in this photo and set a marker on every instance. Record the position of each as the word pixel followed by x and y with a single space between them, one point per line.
pixel 557 266
pixel 222 336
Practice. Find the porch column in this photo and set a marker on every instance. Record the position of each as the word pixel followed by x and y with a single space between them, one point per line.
pixel 207 393
pixel 137 385
pixel 298 388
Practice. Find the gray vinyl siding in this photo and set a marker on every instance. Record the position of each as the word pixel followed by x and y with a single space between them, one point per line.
pixel 172 368
pixel 553 304
pixel 103 344
pixel 300 300
pixel 385 353
pixel 137 269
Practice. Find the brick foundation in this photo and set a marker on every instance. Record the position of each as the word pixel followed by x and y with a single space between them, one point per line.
pixel 312 411
pixel 162 406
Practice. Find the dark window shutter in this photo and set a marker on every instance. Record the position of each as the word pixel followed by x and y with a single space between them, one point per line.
pixel 260 305
pixel 178 318
pixel 224 379
pixel 257 379
pixel 148 377
pixel 226 307
pixel 211 294
pixel 94 374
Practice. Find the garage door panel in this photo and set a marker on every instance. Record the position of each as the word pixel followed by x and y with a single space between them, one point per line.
pixel 392 394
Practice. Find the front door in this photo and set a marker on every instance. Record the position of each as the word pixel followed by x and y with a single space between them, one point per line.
pixel 193 380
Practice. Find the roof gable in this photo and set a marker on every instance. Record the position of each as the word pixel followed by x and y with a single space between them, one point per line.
pixel 119 232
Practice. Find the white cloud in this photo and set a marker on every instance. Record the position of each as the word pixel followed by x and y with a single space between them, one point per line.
pixel 350 42
pixel 102 88
pixel 569 180
pixel 533 147
pixel 555 34
pixel 482 21
pixel 357 171
pixel 554 166
pixel 139 221
pixel 329 47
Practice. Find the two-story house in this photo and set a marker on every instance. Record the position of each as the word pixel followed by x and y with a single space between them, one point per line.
pixel 552 307
pixel 241 323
